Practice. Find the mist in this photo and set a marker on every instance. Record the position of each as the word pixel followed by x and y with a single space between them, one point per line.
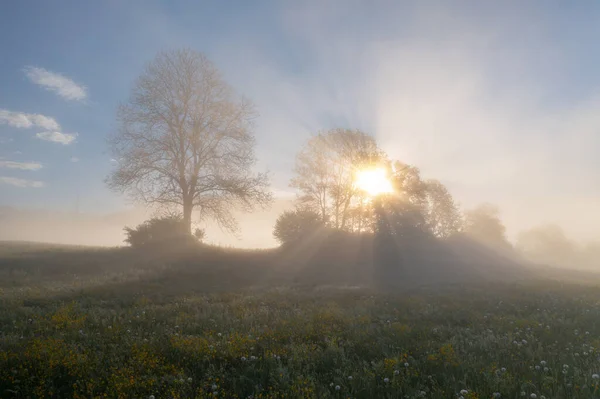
pixel 483 98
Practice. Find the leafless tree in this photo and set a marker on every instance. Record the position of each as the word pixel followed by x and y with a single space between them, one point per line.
pixel 185 140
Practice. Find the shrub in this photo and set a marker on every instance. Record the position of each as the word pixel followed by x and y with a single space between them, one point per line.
pixel 295 225
pixel 159 231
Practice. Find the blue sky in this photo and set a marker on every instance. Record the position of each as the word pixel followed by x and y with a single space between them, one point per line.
pixel 499 100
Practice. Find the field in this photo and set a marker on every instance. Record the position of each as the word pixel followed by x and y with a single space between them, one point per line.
pixel 79 323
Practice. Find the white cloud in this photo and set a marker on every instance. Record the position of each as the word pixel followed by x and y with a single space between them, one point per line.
pixel 21 165
pixel 23 120
pixel 13 181
pixel 61 85
pixel 57 137
pixel 74 159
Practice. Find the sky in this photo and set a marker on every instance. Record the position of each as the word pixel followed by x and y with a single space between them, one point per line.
pixel 498 100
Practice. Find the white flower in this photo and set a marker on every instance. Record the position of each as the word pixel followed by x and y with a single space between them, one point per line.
pixel 537 367
pixel 546 369
pixel 524 342
pixel 189 379
pixel 565 366
pixel 396 372
pixel 405 364
pixel 533 396
pixel 350 377
pixel 214 387
pixel 243 358
pixel 543 362
pixel 464 392
pixel 386 380
pixel 337 388
pixel 151 397
pixel 219 335
pixel 503 369
pixel 331 384
pixel 595 376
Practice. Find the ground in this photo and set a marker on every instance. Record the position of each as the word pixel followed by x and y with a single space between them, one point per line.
pixel 114 332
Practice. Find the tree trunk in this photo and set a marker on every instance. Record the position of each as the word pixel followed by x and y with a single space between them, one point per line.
pixel 187 215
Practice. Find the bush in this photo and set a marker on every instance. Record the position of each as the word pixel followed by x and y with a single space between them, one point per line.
pixel 164 230
pixel 295 225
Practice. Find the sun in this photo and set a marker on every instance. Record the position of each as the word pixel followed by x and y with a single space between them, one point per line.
pixel 373 181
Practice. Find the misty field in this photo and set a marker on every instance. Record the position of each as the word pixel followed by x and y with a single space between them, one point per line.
pixel 135 333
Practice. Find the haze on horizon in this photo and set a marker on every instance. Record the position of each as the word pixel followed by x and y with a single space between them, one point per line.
pixel 497 101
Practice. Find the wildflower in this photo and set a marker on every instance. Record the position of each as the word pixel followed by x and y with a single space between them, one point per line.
pixel 337 388
pixel 537 367
pixel 350 377
pixel 219 335
pixel 546 369
pixel 243 358
pixel 405 364
pixel 386 380
pixel 543 362
pixel 524 342
pixel 331 384
pixel 214 387
pixel 595 376
pixel 464 392
pixel 252 357
pixel 503 369
pixel 396 372
pixel 151 397
pixel 533 396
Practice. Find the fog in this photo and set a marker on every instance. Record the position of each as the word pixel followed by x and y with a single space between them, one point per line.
pixel 482 98
pixel 106 229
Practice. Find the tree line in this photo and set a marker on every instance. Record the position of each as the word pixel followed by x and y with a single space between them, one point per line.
pixel 185 144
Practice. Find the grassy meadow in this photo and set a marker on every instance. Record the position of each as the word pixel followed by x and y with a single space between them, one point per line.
pixel 112 323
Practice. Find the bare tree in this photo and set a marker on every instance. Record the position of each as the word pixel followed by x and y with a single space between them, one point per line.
pixel 185 140
pixel 325 172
